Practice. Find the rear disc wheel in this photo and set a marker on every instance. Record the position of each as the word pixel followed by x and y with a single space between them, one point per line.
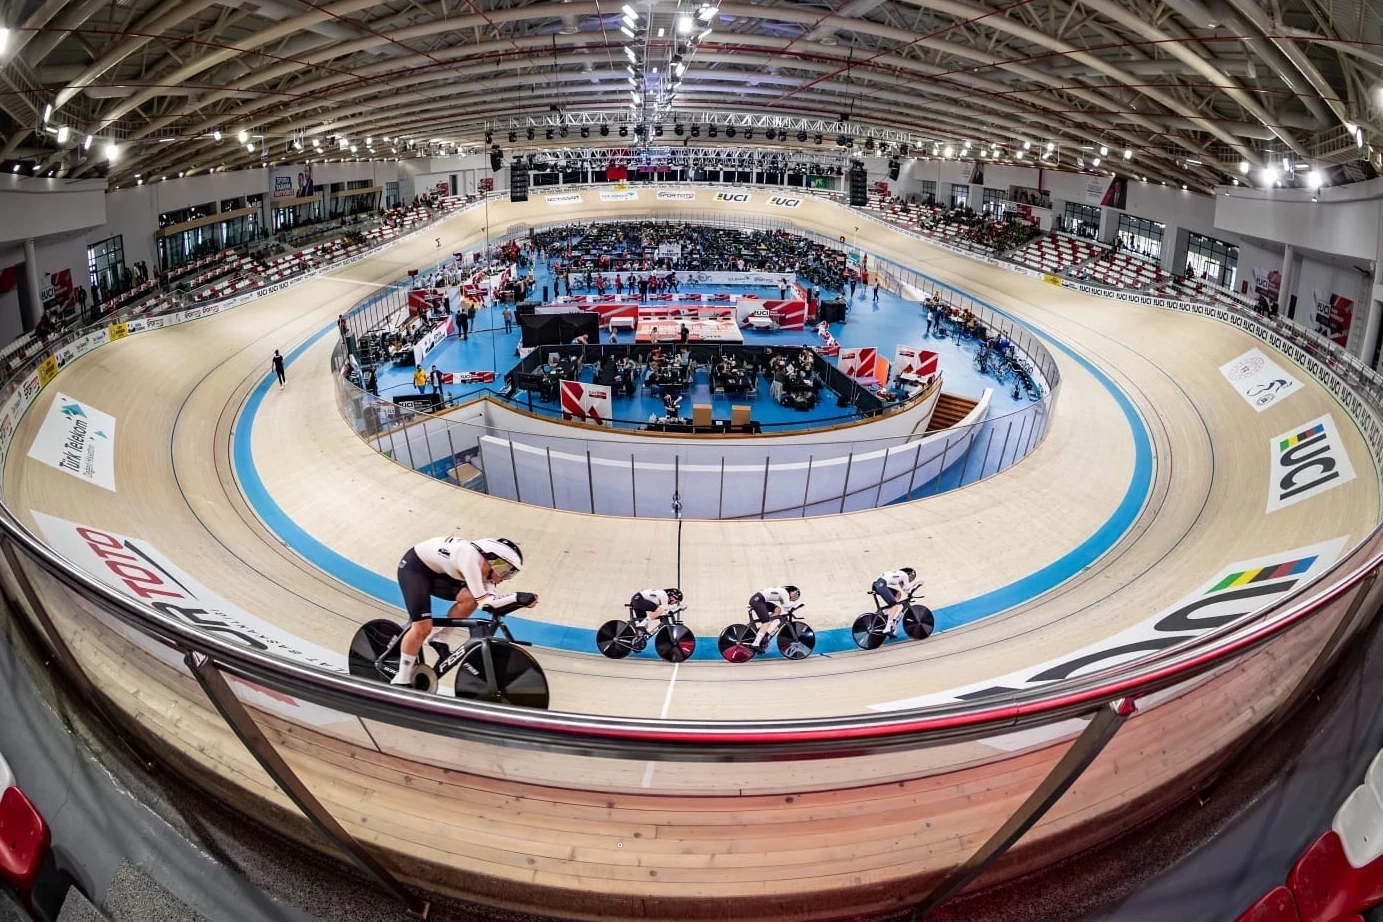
pixel 796 640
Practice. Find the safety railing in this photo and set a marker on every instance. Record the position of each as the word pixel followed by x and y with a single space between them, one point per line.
pixel 1254 668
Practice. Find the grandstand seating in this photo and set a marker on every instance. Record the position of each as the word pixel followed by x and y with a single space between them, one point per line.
pixel 1056 253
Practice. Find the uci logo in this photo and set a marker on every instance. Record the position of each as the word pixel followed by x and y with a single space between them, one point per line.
pixel 783 202
pixel 1308 461
pixel 738 197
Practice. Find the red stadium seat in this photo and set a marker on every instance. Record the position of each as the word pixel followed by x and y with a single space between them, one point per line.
pixel 1277 905
pixel 1327 888
pixel 24 842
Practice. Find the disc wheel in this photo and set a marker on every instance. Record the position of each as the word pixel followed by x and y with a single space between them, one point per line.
pixel 616 639
pixel 737 643
pixel 371 639
pixel 796 640
pixel 918 622
pixel 519 680
pixel 869 630
pixel 674 642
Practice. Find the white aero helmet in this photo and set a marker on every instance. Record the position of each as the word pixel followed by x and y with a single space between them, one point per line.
pixel 503 556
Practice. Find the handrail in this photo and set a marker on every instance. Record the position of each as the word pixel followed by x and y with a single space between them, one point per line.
pixel 687 740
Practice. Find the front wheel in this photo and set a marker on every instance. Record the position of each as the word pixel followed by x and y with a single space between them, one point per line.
pixel 517 680
pixel 737 643
pixel 370 642
pixel 674 642
pixel 617 639
pixel 796 640
pixel 869 630
pixel 918 622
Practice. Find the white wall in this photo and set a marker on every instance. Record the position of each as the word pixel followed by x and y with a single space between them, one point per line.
pixel 1331 225
pixel 35 208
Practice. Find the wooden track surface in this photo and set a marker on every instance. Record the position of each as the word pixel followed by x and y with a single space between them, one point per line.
pixel 176 394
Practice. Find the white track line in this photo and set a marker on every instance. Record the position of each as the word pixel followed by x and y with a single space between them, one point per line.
pixel 667 703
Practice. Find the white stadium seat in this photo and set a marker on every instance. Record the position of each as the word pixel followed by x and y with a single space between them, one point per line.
pixel 1359 824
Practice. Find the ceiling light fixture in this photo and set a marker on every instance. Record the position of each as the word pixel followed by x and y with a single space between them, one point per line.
pixel 112 151
pixel 62 134
pixel 243 136
pixel 1128 153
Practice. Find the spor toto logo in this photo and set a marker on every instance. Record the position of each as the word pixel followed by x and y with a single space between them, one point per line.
pixel 1307 461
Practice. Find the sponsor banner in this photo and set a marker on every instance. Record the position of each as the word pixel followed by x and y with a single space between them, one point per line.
pixel 1051 279
pixel 468 377
pixel 733 198
pixel 783 201
pixel 293 181
pixel 563 198
pixel 676 195
pixel 915 361
pixel 1259 380
pixel 433 339
pixel 618 195
pixel 47 370
pixel 858 363
pixel 139 570
pixel 587 403
pixel 78 439
pixel 1235 591
pixel 1307 460
pixel 1334 314
pixel 117 331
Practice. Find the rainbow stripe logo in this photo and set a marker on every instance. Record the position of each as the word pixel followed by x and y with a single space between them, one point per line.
pixel 1301 436
pixel 1262 574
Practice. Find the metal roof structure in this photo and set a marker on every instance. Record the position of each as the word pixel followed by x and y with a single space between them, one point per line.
pixel 1189 91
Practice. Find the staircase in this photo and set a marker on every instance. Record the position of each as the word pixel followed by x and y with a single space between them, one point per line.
pixel 950 409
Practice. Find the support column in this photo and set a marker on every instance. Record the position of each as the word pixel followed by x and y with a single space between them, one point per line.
pixel 1368 348
pixel 31 306
pixel 1290 262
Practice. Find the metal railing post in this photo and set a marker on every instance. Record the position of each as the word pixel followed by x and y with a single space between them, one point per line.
pixel 1072 765
pixel 238 718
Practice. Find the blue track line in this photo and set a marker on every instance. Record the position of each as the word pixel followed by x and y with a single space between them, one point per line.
pixel 582 639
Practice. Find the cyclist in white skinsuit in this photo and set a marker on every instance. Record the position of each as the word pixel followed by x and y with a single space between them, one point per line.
pixel 462 572
pixel 893 588
pixel 649 605
pixel 768 606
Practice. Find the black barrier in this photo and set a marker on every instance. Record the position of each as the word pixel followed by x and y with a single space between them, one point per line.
pixel 531 374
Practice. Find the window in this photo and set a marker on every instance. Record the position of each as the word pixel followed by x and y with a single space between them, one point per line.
pixel 929 191
pixel 169 218
pixel 1082 220
pixel 993 203
pixel 960 196
pixel 1211 260
pixel 391 195
pixel 1141 237
pixel 104 260
pixel 232 204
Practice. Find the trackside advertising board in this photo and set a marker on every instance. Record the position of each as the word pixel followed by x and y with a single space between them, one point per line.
pixel 78 439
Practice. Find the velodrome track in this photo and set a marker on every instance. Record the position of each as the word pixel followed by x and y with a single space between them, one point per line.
pixel 177 395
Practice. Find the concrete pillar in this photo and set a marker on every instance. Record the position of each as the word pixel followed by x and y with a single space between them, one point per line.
pixel 31 306
pixel 1368 346
pixel 1290 264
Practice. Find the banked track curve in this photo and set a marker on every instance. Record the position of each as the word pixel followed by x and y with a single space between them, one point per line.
pixel 176 395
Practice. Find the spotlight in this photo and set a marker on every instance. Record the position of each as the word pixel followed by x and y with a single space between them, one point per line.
pixel 62 134
pixel 657 131
pixel 549 134
pixel 1313 179
pixel 749 134
pixel 562 132
pixel 585 131
pixel 604 131
pixel 712 131
pixel 1244 167
pixel 1269 175
pixel 1104 151
pixel 678 129
pixel 696 131
pixel 819 139
pixel 1128 153
pixel 730 131
pixel 530 134
pixel 624 131
pixel 489 137
pixel 868 143
pixel 513 136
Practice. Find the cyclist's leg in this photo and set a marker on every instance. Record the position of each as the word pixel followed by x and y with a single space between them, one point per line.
pixel 643 612
pixel 763 614
pixel 889 598
pixel 415 581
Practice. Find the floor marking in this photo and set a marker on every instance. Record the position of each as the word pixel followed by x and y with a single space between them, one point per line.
pixel 667 703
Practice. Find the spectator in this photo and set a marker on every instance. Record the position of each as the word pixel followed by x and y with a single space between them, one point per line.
pixel 509 319
pixel 436 377
pixel 420 379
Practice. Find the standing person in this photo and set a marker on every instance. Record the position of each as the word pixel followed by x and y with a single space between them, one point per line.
pixel 278 368
pixel 854 283
pixel 341 325
pixel 463 322
pixel 371 382
pixel 420 379
pixel 876 290
pixel 436 378
pixel 782 289
pixel 508 319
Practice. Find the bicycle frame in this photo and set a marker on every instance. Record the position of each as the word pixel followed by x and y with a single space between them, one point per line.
pixel 482 634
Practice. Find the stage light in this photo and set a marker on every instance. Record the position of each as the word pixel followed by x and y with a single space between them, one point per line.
pixel 513 136
pixel 62 134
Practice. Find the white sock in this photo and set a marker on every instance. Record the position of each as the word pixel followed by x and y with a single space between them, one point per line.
pixel 405 674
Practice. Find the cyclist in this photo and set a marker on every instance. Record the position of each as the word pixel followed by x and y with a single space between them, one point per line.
pixel 893 588
pixel 768 606
pixel 649 605
pixel 464 573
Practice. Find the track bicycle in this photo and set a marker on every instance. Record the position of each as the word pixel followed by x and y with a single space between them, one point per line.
pixel 796 639
pixel 871 628
pixel 490 666
pixel 672 640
